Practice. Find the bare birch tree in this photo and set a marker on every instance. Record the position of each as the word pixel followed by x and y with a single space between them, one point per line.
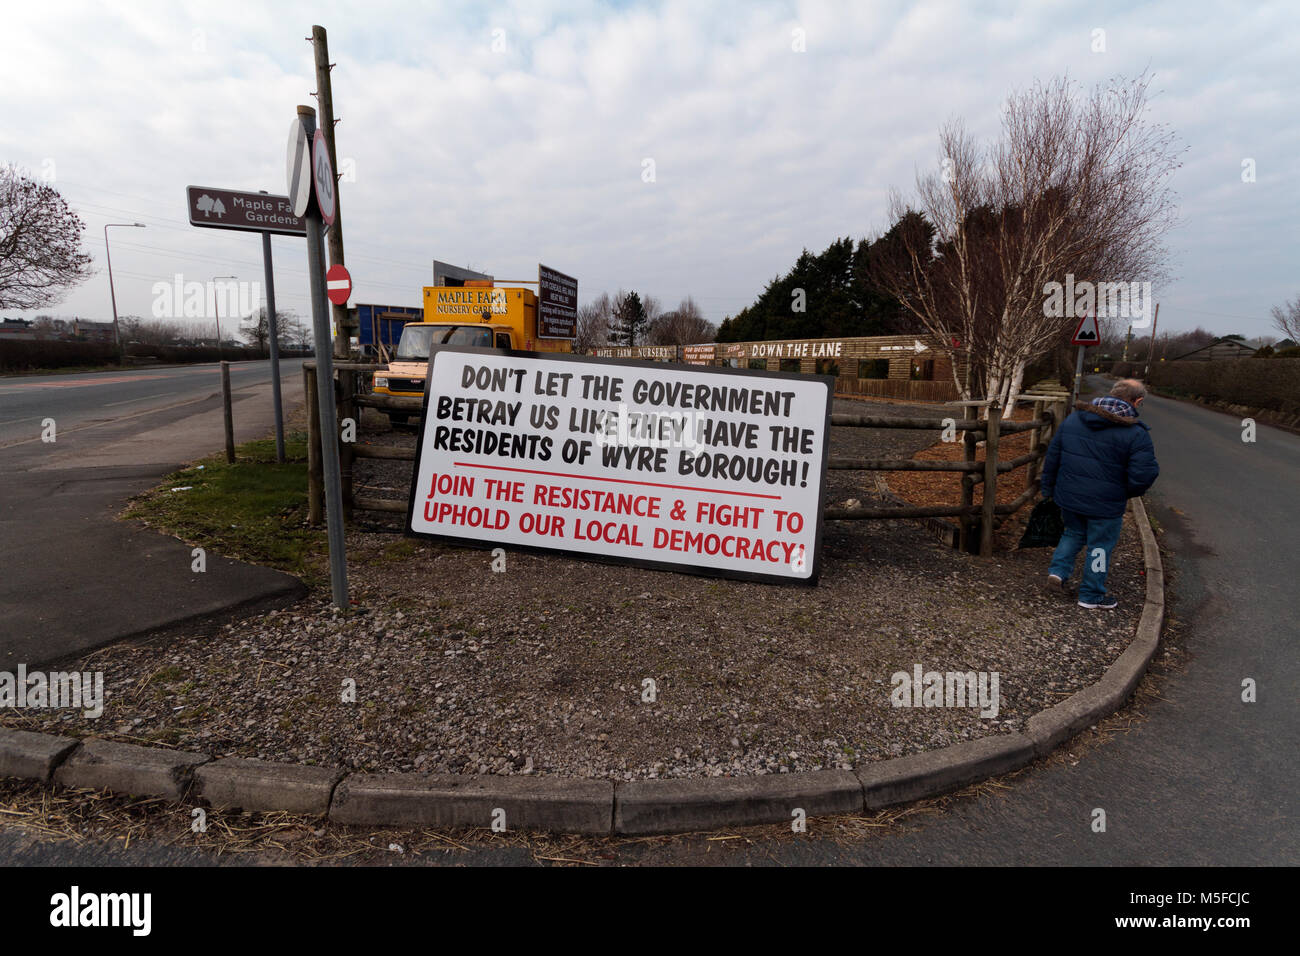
pixel 1076 186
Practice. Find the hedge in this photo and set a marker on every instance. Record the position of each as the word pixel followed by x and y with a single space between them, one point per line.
pixel 1272 383
pixel 170 354
pixel 22 354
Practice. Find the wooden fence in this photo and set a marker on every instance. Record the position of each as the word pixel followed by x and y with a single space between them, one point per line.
pixel 976 521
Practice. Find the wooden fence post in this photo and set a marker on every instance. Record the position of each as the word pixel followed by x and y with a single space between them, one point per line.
pixel 1031 472
pixel 993 424
pixel 315 466
pixel 347 409
pixel 966 523
pixel 225 407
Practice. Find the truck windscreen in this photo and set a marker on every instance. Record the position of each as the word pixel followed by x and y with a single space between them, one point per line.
pixel 417 340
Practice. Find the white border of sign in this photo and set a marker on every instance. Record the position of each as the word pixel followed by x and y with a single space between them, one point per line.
pixel 789 556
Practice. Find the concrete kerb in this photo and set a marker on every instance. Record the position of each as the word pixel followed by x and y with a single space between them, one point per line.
pixel 32 756
pixel 593 807
pixel 463 800
pixel 128 768
pixel 645 807
pixel 237 783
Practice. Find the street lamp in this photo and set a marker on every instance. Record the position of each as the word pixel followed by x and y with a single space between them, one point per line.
pixel 216 308
pixel 117 335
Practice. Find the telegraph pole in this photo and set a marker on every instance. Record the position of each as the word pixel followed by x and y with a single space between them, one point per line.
pixel 334 236
pixel 1146 374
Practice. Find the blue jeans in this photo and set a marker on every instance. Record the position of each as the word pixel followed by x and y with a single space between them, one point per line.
pixel 1096 534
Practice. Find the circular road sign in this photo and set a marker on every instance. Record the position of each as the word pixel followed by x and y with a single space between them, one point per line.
pixel 298 168
pixel 338 284
pixel 323 178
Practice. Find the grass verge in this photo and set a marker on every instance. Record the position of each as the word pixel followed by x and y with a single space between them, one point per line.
pixel 254 510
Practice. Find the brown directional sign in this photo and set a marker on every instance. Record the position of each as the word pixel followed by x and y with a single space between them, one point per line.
pixel 245 212
pixel 557 304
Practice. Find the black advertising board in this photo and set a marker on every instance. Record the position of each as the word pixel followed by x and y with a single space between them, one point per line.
pixel 557 304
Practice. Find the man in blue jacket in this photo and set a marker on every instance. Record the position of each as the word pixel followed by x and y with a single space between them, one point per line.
pixel 1101 457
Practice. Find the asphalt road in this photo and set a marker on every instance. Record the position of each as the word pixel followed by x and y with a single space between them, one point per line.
pixel 116 434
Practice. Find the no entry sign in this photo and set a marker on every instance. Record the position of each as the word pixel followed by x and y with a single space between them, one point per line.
pixel 710 471
pixel 338 284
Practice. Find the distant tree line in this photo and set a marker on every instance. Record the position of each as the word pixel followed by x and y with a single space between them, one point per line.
pixel 833 294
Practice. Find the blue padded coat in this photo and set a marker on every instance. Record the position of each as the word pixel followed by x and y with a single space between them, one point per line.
pixel 1097 461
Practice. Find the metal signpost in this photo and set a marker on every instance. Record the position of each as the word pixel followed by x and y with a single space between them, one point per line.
pixel 259 212
pixel 1085 333
pixel 305 175
pixel 273 332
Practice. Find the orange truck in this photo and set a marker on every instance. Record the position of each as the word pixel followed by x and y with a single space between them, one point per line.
pixel 478 315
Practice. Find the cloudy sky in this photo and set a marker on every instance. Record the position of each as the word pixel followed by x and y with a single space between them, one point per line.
pixel 498 135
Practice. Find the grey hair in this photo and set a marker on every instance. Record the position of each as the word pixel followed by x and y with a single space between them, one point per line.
pixel 1129 389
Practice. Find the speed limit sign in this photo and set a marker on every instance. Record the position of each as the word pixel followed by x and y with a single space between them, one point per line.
pixel 323 178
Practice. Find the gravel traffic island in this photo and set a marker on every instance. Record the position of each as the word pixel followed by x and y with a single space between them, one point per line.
pixel 563 667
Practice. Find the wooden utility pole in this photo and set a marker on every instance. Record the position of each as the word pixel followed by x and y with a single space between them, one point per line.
pixel 1146 374
pixel 334 235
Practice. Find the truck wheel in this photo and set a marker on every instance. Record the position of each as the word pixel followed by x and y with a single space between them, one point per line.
pixel 398 418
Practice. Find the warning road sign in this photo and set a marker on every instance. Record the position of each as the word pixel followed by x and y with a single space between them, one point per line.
pixel 338 284
pixel 1087 332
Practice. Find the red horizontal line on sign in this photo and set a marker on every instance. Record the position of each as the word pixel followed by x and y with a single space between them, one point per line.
pixel 621 481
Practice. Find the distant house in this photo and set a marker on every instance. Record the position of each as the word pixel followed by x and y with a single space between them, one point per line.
pixel 93 331
pixel 1216 351
pixel 17 329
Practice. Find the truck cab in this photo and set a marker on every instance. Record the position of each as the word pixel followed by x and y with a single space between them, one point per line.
pixel 476 315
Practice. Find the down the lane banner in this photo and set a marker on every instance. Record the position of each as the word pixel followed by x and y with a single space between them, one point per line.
pixel 712 471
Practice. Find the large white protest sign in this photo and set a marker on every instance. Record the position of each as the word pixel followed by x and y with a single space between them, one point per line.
pixel 696 469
